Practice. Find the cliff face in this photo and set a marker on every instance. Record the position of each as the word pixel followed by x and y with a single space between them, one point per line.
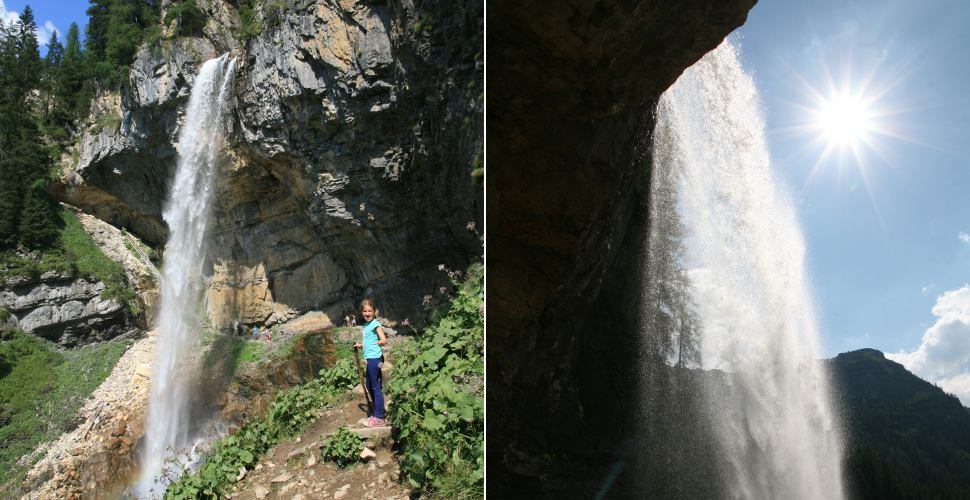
pixel 63 309
pixel 570 118
pixel 348 169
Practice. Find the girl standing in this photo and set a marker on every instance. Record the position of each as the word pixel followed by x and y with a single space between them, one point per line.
pixel 371 343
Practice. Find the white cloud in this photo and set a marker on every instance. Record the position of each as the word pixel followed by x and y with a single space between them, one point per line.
pixel 964 237
pixel 926 289
pixel 7 16
pixel 943 356
pixel 43 31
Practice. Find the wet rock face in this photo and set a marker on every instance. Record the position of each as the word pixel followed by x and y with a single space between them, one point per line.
pixel 68 311
pixel 348 164
pixel 572 111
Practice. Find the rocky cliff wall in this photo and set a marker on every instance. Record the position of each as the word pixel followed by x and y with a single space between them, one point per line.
pixel 348 170
pixel 570 115
pixel 62 309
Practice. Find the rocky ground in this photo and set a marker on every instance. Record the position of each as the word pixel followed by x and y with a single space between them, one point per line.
pixel 84 461
pixel 295 469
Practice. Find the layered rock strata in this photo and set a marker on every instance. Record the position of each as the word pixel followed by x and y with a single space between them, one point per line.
pixel 69 311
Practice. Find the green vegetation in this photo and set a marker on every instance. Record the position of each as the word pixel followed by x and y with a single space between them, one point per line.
pixel 249 15
pixel 291 412
pixel 115 30
pixel 42 101
pixel 41 389
pixel 76 254
pixel 437 399
pixel 250 352
pixel 343 448
pixel 188 19
pixel 108 121
pixel 85 256
pixel 27 216
pixel 256 15
pixel 478 165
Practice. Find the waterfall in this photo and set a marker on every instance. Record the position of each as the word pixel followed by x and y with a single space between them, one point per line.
pixel 768 400
pixel 169 431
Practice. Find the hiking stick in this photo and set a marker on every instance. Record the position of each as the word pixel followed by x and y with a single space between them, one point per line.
pixel 360 373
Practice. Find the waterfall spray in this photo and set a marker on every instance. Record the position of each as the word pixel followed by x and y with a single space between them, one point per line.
pixel 168 431
pixel 774 422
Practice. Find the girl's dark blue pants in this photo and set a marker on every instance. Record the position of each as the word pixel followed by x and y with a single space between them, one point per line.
pixel 374 385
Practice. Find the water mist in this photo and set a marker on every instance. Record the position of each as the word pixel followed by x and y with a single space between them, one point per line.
pixel 768 404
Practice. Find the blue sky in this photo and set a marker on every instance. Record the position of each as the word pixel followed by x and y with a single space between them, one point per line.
pixel 59 13
pixel 883 232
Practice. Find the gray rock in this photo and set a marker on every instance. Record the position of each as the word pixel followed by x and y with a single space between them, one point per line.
pixel 69 312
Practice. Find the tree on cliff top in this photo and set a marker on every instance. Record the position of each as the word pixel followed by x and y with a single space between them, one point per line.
pixel 24 159
pixel 115 30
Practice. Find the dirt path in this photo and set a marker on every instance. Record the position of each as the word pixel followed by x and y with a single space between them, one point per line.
pixel 294 469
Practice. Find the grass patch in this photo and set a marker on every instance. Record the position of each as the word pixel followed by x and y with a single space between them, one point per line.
pixel 42 388
pixel 75 254
pixel 83 253
pixel 108 121
pixel 251 352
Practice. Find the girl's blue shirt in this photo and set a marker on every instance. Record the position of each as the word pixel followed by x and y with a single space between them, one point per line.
pixel 372 350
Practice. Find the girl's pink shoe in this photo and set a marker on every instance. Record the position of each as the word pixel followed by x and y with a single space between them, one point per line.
pixel 375 422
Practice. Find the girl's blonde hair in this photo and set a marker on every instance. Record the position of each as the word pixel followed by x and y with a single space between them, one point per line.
pixel 369 302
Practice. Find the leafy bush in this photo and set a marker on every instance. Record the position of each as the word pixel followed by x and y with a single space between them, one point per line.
pixel 343 448
pixel 437 399
pixel 342 375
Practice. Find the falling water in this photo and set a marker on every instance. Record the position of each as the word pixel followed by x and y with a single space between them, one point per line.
pixel 169 431
pixel 745 256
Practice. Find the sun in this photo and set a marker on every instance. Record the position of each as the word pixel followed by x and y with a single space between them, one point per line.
pixel 844 120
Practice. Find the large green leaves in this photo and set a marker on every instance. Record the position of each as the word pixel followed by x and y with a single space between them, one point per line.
pixel 437 399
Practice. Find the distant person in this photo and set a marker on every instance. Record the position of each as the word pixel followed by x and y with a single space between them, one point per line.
pixel 347 320
pixel 371 341
pixel 255 332
pixel 239 328
pixel 353 320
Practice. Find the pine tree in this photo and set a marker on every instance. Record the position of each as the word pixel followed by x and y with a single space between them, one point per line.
pixel 55 52
pixel 54 109
pixel 9 203
pixel 115 30
pixel 97 29
pixel 28 53
pixel 38 226
pixel 24 160
pixel 75 71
